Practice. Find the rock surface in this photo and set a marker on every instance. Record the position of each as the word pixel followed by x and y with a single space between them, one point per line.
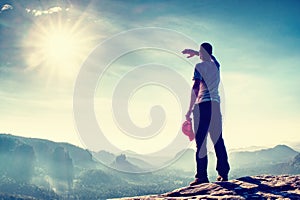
pixel 249 187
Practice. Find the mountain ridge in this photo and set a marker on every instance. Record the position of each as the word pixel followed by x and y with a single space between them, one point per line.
pixel 79 155
pixel 42 167
pixel 277 157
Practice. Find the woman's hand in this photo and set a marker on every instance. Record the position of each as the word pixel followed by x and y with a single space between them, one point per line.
pixel 191 52
pixel 188 115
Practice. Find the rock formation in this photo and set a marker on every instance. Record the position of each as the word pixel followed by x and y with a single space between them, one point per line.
pixel 249 187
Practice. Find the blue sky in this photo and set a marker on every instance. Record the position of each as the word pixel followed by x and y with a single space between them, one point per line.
pixel 256 42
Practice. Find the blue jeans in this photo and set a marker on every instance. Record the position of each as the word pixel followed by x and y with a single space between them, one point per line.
pixel 208 119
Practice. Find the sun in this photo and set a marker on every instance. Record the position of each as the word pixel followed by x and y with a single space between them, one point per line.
pixel 60 46
pixel 57 48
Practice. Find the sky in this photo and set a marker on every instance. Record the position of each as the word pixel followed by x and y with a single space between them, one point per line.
pixel 126 56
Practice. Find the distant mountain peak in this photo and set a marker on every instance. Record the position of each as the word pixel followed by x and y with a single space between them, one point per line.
pixel 282 146
pixel 185 152
pixel 129 152
pixel 122 164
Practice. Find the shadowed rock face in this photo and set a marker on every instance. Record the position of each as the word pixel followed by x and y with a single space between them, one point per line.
pixel 249 187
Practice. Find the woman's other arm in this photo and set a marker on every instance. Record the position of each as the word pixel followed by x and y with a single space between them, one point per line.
pixel 194 94
pixel 191 52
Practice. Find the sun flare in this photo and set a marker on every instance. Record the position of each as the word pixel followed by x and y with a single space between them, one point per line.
pixel 56 48
pixel 60 46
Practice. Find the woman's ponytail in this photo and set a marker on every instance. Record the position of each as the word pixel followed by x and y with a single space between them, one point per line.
pixel 215 61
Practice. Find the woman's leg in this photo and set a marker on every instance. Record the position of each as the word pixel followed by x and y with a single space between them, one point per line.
pixel 215 131
pixel 202 115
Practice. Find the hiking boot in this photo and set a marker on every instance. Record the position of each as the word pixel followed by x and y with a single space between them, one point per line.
pixel 222 178
pixel 198 181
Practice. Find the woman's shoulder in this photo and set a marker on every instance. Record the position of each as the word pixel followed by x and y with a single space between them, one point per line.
pixel 204 63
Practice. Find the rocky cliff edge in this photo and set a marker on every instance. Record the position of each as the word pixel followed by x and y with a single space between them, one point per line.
pixel 249 187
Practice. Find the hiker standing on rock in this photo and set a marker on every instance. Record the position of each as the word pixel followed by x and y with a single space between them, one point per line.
pixel 205 105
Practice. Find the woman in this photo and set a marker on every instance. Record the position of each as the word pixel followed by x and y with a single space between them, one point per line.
pixel 205 105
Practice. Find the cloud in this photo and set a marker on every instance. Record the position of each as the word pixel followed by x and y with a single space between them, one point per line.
pixel 6 7
pixel 52 10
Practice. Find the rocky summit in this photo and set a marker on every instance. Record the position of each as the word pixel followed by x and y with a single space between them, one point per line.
pixel 249 187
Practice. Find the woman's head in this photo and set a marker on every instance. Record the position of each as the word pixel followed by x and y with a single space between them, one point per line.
pixel 205 51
